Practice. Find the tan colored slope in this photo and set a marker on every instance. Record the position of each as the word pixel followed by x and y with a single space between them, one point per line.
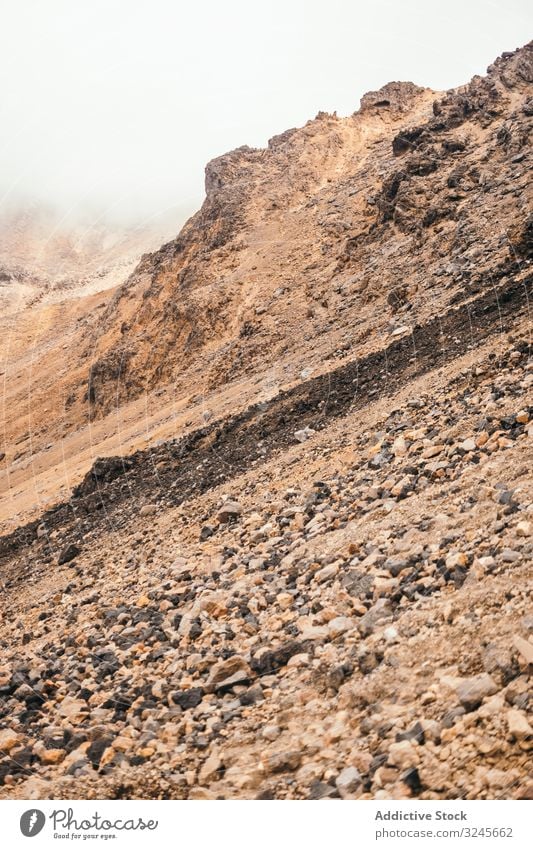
pixel 310 245
pixel 305 254
pixel 355 684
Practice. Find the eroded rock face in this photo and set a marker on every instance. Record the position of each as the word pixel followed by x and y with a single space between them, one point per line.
pixel 398 97
pixel 381 213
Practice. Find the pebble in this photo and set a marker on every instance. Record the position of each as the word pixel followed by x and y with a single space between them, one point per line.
pixel 472 691
pixel 525 648
pixel 271 732
pixel 508 555
pixel 67 554
pixel 226 673
pixel 304 434
pixel 403 754
pixel 348 782
pixel 210 770
pixel 524 529
pixel 9 739
pixel 148 510
pixel 282 762
pixel 229 511
pixel 519 727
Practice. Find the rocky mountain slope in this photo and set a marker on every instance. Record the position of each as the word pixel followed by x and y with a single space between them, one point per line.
pixel 322 245
pixel 293 557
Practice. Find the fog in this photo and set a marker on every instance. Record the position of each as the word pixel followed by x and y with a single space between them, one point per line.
pixel 113 108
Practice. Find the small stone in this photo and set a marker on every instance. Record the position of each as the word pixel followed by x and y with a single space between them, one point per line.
pixel 282 762
pixel 411 778
pixel 432 451
pixel 321 790
pixel 403 754
pixel 519 727
pixel 146 752
pixel 67 554
pixel 508 555
pixel 348 782
pixel 380 611
pixel 9 739
pixel 108 757
pixel 304 434
pixel 226 673
pixel 271 732
pixel 522 417
pixel 206 532
pixel 497 661
pixel 252 695
pixel 525 648
pixel 391 634
pixel 395 565
pixel 524 529
pixel 456 559
pixel 148 510
pixel 271 660
pixel 142 601
pixel 36 788
pixel 299 660
pixel 51 756
pixel 285 600
pixel 482 439
pixel 314 632
pixel 416 732
pixel 468 444
pixel 472 691
pixel 200 794
pixel 399 448
pixel 210 770
pixel 229 512
pixel 487 563
pixel 326 573
pixel 368 660
pixel 73 709
pixel 340 625
pixel 158 688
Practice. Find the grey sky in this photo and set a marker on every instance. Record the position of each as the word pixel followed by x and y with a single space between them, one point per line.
pixel 118 104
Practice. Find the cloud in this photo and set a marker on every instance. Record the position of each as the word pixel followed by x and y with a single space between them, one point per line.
pixel 119 107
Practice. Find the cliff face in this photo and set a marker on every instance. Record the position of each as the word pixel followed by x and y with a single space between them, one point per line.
pixel 318 246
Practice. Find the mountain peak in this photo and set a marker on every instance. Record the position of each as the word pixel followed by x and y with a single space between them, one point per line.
pixel 394 97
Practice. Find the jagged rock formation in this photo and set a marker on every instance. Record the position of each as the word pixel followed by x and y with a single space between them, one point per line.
pixel 316 245
pixel 317 585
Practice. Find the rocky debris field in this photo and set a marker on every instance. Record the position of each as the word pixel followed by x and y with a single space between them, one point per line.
pixel 350 619
pixel 174 471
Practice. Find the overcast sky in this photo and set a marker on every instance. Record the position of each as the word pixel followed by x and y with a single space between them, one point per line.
pixel 118 104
